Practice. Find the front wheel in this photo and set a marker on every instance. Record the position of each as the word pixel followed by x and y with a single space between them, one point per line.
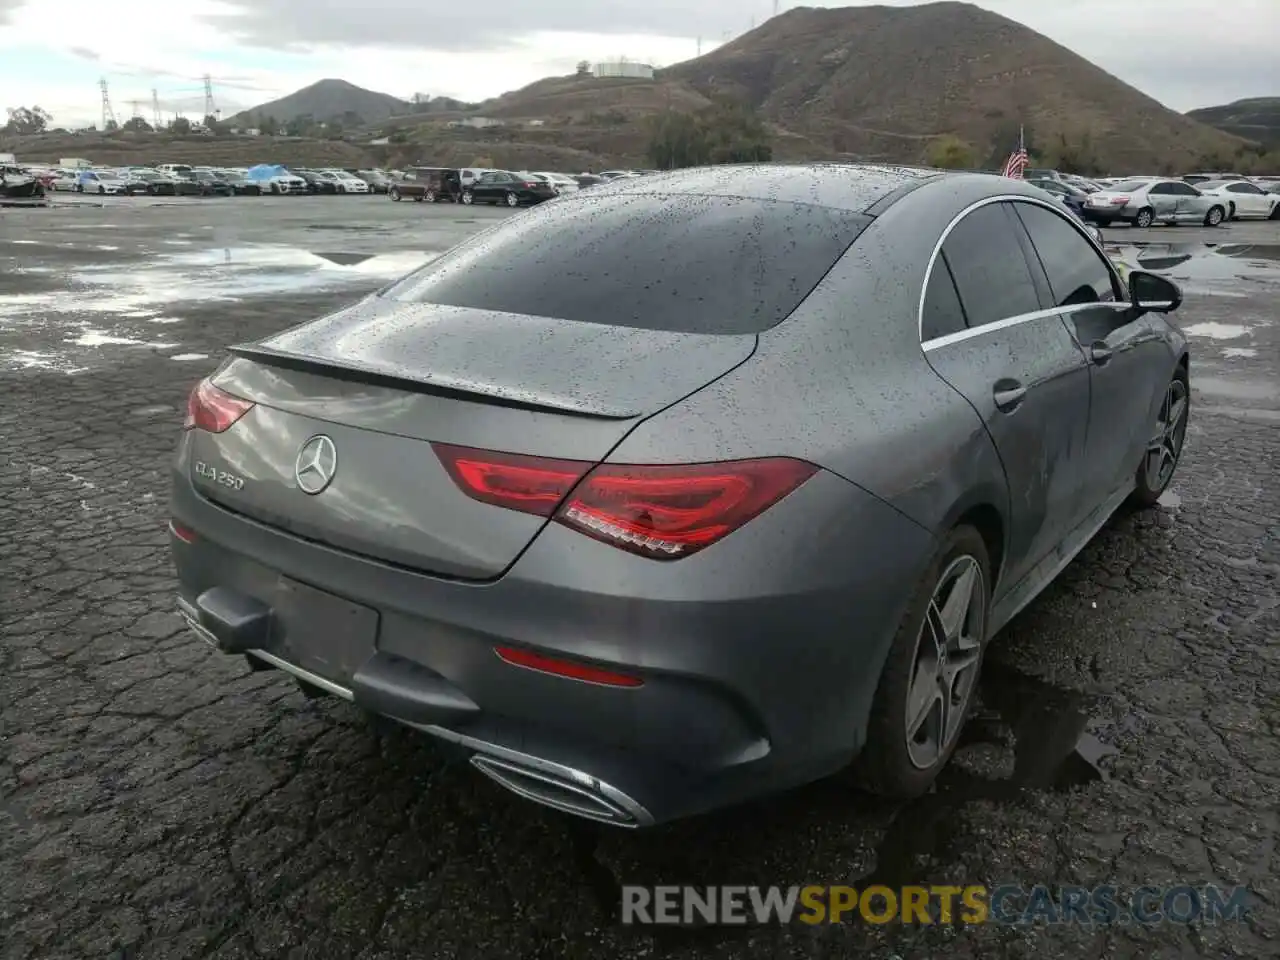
pixel 395 194
pixel 1164 449
pixel 1146 217
pixel 467 198
pixel 429 196
pixel 1214 217
pixel 930 676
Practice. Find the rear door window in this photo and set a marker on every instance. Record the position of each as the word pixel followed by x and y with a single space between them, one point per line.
pixel 683 263
pixel 989 267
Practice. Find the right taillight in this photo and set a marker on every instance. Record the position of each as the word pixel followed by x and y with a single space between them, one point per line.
pixel 664 511
pixel 213 409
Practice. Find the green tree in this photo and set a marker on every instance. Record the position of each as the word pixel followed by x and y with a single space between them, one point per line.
pixel 1073 155
pixel 136 125
pixel 180 126
pixel 25 121
pixel 721 133
pixel 951 153
pixel 268 125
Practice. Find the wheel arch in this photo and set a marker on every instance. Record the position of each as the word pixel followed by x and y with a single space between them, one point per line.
pixel 987 519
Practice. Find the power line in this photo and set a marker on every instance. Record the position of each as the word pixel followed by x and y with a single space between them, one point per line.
pixel 108 115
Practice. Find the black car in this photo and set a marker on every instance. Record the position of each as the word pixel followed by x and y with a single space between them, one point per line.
pixel 315 182
pixel 588 180
pixel 502 186
pixel 208 183
pixel 240 185
pixel 1071 195
pixel 378 181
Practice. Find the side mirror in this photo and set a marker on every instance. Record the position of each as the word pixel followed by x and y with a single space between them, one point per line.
pixel 1152 293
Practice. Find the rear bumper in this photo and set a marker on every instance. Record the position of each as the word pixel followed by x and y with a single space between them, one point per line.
pixel 744 694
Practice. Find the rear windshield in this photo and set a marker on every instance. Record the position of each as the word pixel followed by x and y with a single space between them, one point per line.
pixel 1127 185
pixel 687 264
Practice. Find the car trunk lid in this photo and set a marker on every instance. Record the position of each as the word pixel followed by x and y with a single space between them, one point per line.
pixel 383 381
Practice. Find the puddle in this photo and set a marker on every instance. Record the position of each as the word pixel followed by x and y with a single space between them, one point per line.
pixel 190 356
pixel 1216 331
pixel 97 338
pixel 1209 269
pixel 1052 748
pixel 1232 353
pixel 1237 389
pixel 1243 413
pixel 1170 500
pixel 1038 733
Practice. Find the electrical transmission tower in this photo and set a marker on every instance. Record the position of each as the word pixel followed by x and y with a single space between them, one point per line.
pixel 155 109
pixel 108 115
pixel 209 109
pixel 775 7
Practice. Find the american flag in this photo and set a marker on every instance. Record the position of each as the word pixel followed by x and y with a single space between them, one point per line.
pixel 1017 162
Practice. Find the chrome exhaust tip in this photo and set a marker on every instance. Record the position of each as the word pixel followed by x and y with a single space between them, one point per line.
pixel 566 790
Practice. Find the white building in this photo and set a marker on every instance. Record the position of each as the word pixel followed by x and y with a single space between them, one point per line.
pixel 623 68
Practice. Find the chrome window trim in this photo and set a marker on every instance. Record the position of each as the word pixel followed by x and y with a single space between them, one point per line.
pixel 1008 321
pixel 970 332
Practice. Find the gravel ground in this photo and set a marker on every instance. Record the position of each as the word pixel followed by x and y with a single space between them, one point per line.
pixel 160 801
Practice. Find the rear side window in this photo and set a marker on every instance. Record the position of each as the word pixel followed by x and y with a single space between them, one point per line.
pixel 989 267
pixel 687 264
pixel 942 312
pixel 1077 272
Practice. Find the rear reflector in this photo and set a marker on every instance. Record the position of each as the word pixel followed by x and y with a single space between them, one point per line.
pixel 212 409
pixel 571 669
pixel 185 534
pixel 660 511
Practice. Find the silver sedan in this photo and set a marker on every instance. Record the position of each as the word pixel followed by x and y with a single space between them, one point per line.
pixel 1144 202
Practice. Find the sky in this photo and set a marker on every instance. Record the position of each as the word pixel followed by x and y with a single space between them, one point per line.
pixel 1199 52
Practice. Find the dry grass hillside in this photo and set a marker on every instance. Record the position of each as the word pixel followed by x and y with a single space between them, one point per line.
pixel 880 80
pixel 326 100
pixel 1257 118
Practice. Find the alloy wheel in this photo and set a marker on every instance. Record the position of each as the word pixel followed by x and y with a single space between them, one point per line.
pixel 945 671
pixel 1171 430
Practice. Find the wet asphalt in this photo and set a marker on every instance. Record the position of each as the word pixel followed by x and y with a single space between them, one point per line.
pixel 159 801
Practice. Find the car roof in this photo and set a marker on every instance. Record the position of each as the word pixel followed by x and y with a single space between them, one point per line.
pixel 846 186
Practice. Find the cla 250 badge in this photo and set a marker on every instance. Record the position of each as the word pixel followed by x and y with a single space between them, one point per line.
pixel 221 477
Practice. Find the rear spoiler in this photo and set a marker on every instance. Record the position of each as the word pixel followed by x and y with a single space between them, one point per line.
pixel 423 385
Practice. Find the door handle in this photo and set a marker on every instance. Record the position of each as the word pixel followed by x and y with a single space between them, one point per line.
pixel 1008 395
pixel 1099 352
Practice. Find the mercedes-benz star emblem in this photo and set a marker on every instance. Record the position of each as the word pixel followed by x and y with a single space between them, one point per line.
pixel 316 464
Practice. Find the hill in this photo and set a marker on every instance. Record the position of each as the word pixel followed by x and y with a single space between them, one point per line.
pixel 1257 118
pixel 328 100
pixel 884 82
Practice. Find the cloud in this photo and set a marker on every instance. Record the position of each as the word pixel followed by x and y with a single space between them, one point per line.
pixel 289 25
pixel 84 53
pixel 7 7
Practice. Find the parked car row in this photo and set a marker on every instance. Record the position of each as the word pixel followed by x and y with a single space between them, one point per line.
pixel 512 188
pixel 1208 199
pixel 176 179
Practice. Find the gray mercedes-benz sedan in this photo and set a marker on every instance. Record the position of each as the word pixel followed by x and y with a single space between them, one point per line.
pixel 690 488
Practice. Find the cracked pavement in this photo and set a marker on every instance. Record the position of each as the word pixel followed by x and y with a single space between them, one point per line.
pixel 158 800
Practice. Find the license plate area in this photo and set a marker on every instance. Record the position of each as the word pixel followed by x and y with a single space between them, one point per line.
pixel 320 632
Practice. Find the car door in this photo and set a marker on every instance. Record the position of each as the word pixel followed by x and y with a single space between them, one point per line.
pixel 1163 199
pixel 491 187
pixel 1021 371
pixel 1249 200
pixel 1125 352
pixel 1192 205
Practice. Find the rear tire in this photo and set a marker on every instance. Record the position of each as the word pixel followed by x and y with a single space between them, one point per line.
pixel 395 194
pixel 467 198
pixel 1214 217
pixel 513 200
pixel 895 762
pixel 1146 216
pixel 1160 462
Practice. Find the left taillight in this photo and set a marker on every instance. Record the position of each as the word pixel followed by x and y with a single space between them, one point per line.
pixel 664 512
pixel 213 409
